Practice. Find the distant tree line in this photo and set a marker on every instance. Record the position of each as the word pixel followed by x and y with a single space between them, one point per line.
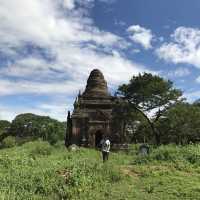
pixel 27 127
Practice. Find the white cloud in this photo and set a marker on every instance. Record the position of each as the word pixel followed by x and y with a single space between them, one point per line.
pixel 64 37
pixel 56 111
pixel 135 51
pixel 45 25
pixel 179 72
pixel 192 96
pixel 119 23
pixel 73 46
pixel 107 1
pixel 70 4
pixel 198 79
pixel 8 87
pixel 184 47
pixel 141 36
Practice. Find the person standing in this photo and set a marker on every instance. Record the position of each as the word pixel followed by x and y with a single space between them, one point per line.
pixel 105 148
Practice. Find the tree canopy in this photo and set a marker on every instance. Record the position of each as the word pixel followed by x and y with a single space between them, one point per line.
pixel 181 124
pixel 34 126
pixel 147 94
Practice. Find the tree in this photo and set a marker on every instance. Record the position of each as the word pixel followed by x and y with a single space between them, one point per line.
pixel 180 124
pixel 4 127
pixel 121 117
pixel 147 93
pixel 126 121
pixel 31 126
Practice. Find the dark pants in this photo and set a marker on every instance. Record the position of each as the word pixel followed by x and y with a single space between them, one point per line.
pixel 105 155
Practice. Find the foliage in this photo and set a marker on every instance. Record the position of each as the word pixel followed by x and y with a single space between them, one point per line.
pixel 180 124
pixel 4 128
pixel 34 126
pixel 146 93
pixel 3 125
pixel 41 149
pixel 8 142
pixel 169 172
pixel 183 155
pixel 123 117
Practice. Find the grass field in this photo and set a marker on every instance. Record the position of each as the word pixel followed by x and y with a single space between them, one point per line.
pixel 37 170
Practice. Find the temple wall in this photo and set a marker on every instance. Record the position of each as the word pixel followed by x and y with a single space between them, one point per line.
pixel 76 131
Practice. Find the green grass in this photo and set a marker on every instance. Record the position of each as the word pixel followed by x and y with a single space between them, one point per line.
pixel 37 170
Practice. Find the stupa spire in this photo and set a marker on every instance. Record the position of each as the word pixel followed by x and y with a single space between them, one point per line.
pixel 96 85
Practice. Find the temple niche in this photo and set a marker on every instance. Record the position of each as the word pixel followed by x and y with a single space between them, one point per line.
pixel 93 115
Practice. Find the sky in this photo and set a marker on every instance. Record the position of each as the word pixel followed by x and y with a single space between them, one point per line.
pixel 49 47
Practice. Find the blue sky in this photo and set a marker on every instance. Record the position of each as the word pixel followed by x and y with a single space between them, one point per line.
pixel 48 48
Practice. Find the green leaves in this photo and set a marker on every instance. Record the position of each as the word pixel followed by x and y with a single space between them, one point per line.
pixel 181 124
pixel 147 91
pixel 34 126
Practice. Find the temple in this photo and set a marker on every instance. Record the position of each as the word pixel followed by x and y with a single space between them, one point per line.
pixel 93 114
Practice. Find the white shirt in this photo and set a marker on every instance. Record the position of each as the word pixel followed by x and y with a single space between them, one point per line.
pixel 105 145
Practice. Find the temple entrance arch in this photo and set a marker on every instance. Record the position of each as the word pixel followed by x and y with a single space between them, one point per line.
pixel 98 137
pixel 95 133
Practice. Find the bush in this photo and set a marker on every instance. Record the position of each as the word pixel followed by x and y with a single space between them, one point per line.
pixel 59 144
pixel 140 159
pixel 41 148
pixel 191 153
pixel 8 142
pixel 166 153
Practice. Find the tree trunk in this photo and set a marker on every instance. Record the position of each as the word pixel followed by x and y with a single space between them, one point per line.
pixel 124 131
pixel 153 128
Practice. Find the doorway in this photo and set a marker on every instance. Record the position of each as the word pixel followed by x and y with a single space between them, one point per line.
pixel 98 138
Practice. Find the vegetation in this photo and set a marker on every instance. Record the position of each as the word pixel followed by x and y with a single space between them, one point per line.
pixel 149 109
pixel 4 125
pixel 156 112
pixel 146 93
pixel 181 124
pixel 9 141
pixel 28 127
pixel 35 164
pixel 37 170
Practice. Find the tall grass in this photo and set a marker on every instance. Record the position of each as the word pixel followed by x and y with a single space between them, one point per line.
pixel 37 170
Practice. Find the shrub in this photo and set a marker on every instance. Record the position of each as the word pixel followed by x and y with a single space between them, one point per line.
pixel 166 153
pixel 181 155
pixel 59 144
pixel 8 142
pixel 140 159
pixel 133 149
pixel 41 148
pixel 191 153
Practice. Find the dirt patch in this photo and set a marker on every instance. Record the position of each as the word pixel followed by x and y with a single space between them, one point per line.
pixel 64 173
pixel 129 171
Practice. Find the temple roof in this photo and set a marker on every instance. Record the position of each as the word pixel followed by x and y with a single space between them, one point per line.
pixel 96 85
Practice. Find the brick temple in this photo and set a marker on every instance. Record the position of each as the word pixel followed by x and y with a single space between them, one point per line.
pixel 93 114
